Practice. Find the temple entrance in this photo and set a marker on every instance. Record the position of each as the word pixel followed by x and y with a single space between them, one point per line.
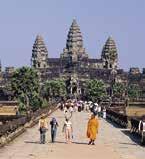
pixel 73 87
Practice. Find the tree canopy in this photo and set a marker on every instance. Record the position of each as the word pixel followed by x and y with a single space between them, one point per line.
pixel 133 91
pixel 25 85
pixel 118 89
pixel 95 89
pixel 54 89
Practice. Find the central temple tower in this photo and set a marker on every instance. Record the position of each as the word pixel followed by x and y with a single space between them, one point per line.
pixel 110 55
pixel 74 49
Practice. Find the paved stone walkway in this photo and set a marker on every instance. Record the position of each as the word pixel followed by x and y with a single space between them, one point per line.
pixel 111 143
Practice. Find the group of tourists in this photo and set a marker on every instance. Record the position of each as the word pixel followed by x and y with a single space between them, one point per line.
pixel 68 108
pixel 43 127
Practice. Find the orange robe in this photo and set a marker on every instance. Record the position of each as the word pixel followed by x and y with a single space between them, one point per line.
pixel 92 129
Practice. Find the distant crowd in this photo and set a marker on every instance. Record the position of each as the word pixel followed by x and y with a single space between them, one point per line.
pixel 74 105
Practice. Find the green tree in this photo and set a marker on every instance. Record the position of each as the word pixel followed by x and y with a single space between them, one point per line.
pixel 133 91
pixel 95 89
pixel 25 85
pixel 54 89
pixel 118 89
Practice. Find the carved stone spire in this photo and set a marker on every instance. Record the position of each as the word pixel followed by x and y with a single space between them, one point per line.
pixel 109 54
pixel 74 38
pixel 39 53
pixel 74 43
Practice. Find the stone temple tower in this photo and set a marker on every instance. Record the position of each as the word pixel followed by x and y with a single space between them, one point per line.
pixel 39 53
pixel 74 44
pixel 110 55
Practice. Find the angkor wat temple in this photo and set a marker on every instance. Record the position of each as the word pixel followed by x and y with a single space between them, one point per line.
pixel 75 66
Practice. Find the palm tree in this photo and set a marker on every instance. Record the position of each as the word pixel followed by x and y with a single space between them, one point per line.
pixel 25 85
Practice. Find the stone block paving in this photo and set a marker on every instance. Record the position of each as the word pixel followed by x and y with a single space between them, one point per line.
pixel 111 143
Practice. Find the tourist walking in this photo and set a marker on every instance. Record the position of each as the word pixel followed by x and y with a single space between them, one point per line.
pixel 99 111
pixel 142 129
pixel 86 106
pixel 42 129
pixel 54 125
pixel 104 113
pixel 71 110
pixel 68 130
pixel 92 129
pixel 95 109
pixel 90 105
pixel 67 113
pixel 79 106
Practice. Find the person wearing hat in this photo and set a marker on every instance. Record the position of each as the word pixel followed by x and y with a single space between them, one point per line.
pixel 42 128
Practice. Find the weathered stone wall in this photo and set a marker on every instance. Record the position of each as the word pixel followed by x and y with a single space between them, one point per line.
pixel 5 139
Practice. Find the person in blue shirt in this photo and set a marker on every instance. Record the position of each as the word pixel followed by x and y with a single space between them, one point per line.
pixel 54 125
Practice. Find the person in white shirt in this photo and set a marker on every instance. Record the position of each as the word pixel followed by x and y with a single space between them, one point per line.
pixel 71 110
pixel 67 129
pixel 99 111
pixel 104 113
pixel 142 130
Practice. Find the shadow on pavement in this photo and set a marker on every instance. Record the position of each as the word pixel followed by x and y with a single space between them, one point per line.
pixel 59 142
pixel 113 123
pixel 124 143
pixel 32 142
pixel 62 142
pixel 134 137
pixel 80 143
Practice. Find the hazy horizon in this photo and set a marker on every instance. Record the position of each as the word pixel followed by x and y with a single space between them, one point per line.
pixel 21 21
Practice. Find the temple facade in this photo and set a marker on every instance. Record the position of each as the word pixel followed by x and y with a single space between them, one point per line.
pixel 75 66
pixel 74 63
pixel 74 56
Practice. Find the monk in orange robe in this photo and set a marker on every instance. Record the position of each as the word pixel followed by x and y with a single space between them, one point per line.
pixel 92 129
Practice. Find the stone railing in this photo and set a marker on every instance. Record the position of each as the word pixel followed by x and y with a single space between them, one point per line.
pixel 123 121
pixel 5 118
pixel 118 118
pixel 134 125
pixel 138 127
pixel 13 128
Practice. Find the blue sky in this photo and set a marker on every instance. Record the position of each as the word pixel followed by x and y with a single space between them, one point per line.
pixel 22 20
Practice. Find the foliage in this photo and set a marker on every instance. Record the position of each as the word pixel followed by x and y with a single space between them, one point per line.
pixel 44 103
pixel 25 85
pixel 95 89
pixel 133 91
pixel 54 89
pixel 118 89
